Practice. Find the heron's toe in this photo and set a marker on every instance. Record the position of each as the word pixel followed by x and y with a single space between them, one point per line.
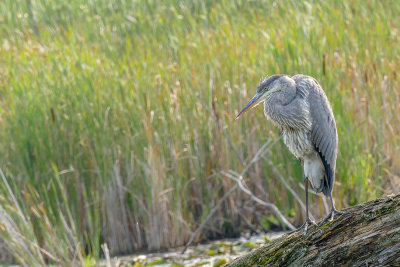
pixel 331 216
pixel 338 212
pixel 304 226
pixel 308 223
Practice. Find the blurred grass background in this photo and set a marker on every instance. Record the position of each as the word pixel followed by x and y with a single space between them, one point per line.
pixel 112 116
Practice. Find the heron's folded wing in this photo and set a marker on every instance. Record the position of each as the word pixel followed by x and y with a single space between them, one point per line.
pixel 323 132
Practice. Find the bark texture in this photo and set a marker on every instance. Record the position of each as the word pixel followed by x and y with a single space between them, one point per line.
pixel 365 235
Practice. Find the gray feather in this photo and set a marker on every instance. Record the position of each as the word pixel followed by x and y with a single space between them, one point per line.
pixel 300 108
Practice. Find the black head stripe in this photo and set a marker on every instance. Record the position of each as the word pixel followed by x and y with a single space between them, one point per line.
pixel 268 81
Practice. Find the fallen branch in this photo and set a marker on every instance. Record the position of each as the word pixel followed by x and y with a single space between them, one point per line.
pixel 365 235
pixel 283 181
pixel 264 149
pixel 270 206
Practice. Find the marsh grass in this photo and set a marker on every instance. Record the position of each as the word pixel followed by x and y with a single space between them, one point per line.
pixel 112 118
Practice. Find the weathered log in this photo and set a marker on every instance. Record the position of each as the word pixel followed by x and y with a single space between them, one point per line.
pixel 365 235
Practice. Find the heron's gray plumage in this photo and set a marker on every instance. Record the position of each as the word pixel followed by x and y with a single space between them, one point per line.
pixel 300 108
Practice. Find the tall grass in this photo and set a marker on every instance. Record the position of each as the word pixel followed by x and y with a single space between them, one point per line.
pixel 112 117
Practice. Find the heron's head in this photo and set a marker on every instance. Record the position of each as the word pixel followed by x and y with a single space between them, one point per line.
pixel 266 87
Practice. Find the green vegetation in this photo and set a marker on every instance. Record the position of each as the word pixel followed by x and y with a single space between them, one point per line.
pixel 113 113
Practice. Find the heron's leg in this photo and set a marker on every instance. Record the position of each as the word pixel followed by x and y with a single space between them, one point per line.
pixel 306 186
pixel 308 220
pixel 333 211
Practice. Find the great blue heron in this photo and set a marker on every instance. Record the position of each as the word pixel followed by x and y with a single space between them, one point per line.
pixel 300 108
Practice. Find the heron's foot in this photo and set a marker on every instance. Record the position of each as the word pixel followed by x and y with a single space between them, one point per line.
pixel 304 226
pixel 331 215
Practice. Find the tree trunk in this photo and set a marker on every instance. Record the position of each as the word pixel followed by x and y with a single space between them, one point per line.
pixel 365 235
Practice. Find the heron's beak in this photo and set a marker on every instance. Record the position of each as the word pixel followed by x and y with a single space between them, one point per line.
pixel 257 99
